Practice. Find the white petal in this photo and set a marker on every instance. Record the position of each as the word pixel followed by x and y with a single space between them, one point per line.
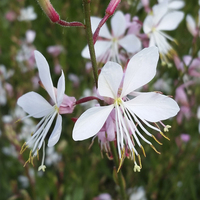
pixel 55 136
pixel 191 25
pixel 130 43
pixel 153 107
pixel 159 10
pixel 85 53
pixel 170 21
pixel 61 89
pixel 34 104
pixel 90 122
pixel 140 70
pixel 118 24
pixel 152 41
pixel 148 24
pixel 100 48
pixel 176 5
pixel 44 74
pixel 110 79
pixel 104 32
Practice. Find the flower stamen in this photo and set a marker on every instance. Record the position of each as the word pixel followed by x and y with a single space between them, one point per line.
pixel 122 159
pixel 164 135
pixel 156 140
pixel 155 149
pixel 139 159
pixel 23 148
pixel 143 151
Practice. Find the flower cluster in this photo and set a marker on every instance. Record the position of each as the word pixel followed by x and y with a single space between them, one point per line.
pixel 123 112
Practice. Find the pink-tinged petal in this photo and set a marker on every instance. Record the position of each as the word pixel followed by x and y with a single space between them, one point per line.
pixel 67 105
pixel 118 24
pixel 148 24
pixel 44 74
pixel 191 25
pixel 100 49
pixel 110 79
pixel 90 122
pixel 34 104
pixel 55 136
pixel 170 21
pixel 110 129
pixel 130 43
pixel 140 70
pixel 153 107
pixel 104 32
pixel 60 89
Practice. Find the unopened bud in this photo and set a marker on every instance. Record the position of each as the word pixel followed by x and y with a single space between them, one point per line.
pixel 49 10
pixel 112 6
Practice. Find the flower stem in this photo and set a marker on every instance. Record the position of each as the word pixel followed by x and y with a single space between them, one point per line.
pixel 89 35
pixel 119 174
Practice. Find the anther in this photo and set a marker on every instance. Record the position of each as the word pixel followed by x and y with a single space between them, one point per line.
pixel 164 136
pixel 38 154
pixel 24 147
pixel 143 150
pixel 155 149
pixel 139 159
pixel 121 160
pixel 133 155
pixel 156 140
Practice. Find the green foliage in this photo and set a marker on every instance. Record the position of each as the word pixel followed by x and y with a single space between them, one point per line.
pixel 82 174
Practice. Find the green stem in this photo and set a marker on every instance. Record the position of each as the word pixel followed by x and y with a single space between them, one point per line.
pixel 89 35
pixel 119 174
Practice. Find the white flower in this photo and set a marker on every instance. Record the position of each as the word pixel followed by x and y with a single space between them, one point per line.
pixel 141 109
pixel 158 21
pixel 27 14
pixel 4 85
pixel 36 106
pixel 107 49
pixel 138 194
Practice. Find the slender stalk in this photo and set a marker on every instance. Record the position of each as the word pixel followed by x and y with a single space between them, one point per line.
pixel 119 174
pixel 89 35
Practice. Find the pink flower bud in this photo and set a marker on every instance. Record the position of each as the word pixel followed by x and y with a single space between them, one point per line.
pixel 49 10
pixel 112 6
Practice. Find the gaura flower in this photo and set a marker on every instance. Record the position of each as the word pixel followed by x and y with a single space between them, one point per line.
pixel 158 21
pixel 36 106
pixel 27 14
pixel 107 48
pixel 132 109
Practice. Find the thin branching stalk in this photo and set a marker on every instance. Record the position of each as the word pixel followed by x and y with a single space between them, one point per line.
pixel 89 35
